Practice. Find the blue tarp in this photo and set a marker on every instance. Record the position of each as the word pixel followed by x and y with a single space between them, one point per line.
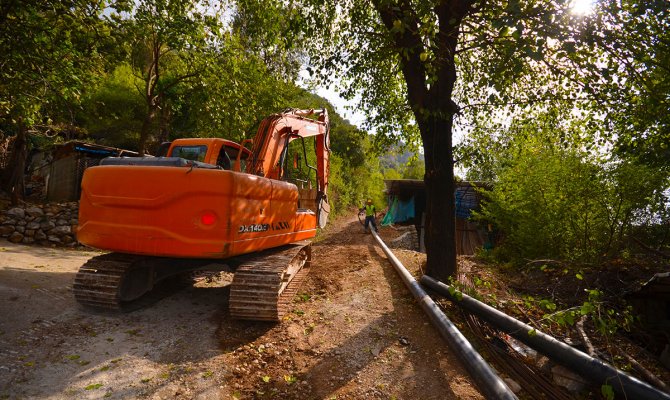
pixel 399 211
pixel 466 201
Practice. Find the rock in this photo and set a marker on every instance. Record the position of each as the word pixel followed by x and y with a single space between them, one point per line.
pixel 512 385
pixel 47 225
pixel 403 341
pixel 6 230
pixel 544 364
pixel 15 237
pixel 34 212
pixel 568 379
pixel 33 225
pixel 61 230
pixel 375 351
pixel 55 208
pixel 16 213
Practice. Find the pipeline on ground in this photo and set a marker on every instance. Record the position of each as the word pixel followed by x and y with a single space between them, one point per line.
pixel 592 369
pixel 491 385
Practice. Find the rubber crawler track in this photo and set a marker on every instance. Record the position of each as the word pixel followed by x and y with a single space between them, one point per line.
pixel 264 286
pixel 98 282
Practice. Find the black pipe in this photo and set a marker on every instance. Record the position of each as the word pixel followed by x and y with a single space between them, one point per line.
pixel 586 366
pixel 488 381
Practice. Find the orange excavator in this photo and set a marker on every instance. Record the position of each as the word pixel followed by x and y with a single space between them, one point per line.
pixel 210 204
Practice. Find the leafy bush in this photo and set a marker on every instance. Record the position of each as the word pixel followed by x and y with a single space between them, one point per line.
pixel 555 203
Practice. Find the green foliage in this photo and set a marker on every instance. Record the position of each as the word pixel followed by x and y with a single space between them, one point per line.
pixel 113 113
pixel 607 391
pixel 553 202
pixel 608 318
pixel 630 81
pixel 50 55
pixel 93 386
pixel 262 29
pixel 402 161
pixel 352 184
pixel 233 96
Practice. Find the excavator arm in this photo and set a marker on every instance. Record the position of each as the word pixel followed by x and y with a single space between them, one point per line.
pixel 272 138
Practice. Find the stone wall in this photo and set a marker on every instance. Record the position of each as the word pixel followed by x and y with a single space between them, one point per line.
pixel 52 224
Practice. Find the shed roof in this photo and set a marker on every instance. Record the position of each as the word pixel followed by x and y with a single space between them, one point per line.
pixel 92 149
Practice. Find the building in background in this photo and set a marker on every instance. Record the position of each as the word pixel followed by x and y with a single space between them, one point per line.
pixel 68 163
pixel 407 202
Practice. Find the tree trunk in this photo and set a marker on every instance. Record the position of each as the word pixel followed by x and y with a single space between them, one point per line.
pixel 440 237
pixel 433 108
pixel 164 131
pixel 147 124
pixel 15 174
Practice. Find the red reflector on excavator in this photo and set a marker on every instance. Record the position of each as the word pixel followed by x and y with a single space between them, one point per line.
pixel 208 218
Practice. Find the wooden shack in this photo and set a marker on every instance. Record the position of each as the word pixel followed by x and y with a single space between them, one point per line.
pixel 70 160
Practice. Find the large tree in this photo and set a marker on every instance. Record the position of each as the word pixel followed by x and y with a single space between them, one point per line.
pixel 416 65
pixel 173 44
pixel 49 58
pixel 403 57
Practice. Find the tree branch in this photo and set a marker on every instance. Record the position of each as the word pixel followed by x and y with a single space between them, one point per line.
pixel 409 45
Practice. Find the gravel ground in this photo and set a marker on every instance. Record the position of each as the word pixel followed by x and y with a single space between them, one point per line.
pixel 354 332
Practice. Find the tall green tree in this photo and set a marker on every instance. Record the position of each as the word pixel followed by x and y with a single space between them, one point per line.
pixel 173 44
pixel 50 56
pixel 403 58
pixel 261 28
pixel 418 64
pixel 232 97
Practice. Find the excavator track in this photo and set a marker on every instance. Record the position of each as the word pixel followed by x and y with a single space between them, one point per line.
pixel 99 283
pixel 264 284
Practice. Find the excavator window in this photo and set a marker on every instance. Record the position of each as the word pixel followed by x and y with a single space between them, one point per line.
pixel 298 171
pixel 195 153
pixel 223 160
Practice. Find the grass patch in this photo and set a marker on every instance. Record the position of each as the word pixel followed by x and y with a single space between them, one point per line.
pixel 93 386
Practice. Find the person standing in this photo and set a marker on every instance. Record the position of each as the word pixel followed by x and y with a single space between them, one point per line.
pixel 370 215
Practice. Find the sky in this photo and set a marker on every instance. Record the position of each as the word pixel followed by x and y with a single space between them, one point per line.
pixel 345 108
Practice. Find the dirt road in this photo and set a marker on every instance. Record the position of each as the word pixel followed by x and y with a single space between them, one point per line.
pixel 355 332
